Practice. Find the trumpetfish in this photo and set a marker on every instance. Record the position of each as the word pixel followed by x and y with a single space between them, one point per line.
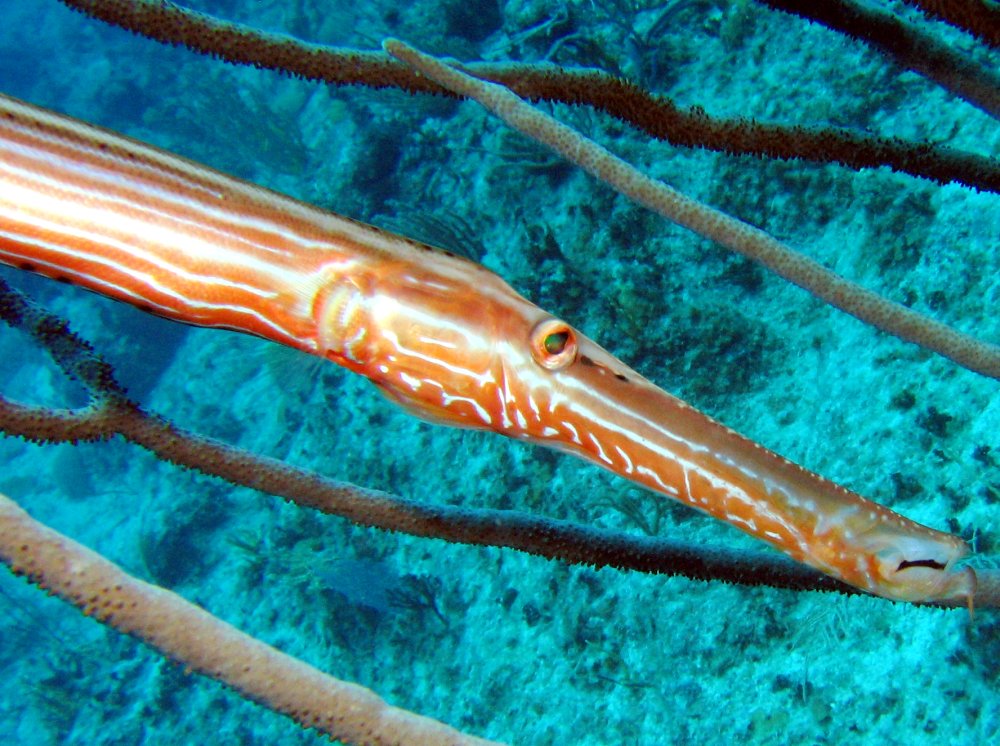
pixel 441 335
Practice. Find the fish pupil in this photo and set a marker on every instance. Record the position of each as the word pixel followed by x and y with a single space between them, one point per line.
pixel 555 342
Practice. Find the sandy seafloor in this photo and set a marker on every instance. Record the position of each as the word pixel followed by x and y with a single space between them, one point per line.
pixel 526 650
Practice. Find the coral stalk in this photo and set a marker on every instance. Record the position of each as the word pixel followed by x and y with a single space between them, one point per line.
pixel 656 115
pixel 201 642
pixel 732 233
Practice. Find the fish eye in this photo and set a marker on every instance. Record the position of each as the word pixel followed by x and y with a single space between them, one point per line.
pixel 553 344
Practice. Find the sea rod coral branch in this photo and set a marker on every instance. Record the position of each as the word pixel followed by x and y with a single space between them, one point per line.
pixel 656 115
pixel 893 318
pixel 191 636
pixel 111 413
pixel 905 46
pixel 977 17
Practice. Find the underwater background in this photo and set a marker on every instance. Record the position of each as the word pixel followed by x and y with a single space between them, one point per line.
pixel 504 645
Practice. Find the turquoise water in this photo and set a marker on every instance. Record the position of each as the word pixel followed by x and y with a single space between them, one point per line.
pixel 525 650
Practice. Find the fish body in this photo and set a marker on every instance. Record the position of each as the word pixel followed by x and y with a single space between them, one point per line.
pixel 441 335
